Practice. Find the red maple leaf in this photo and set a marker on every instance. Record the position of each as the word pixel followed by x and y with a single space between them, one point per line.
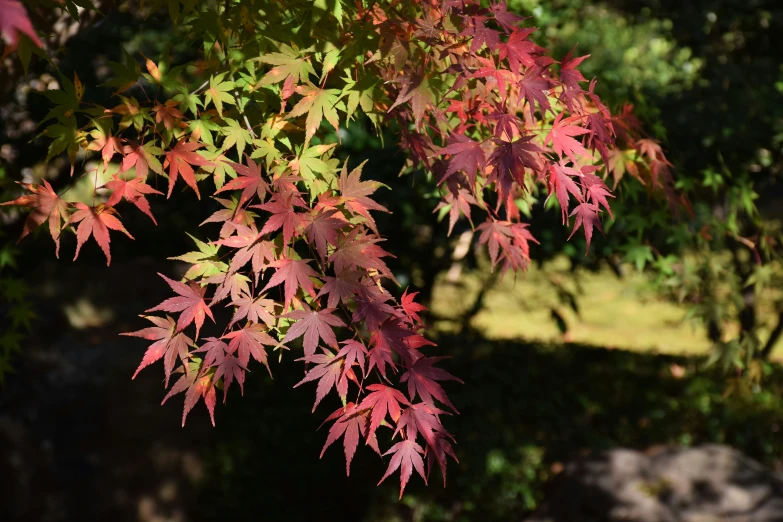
pixel 136 156
pixel 467 155
pixel 254 309
pixel 354 352
pixel 411 307
pixel 340 288
pixel 561 183
pixel 421 419
pixel 106 143
pixel 597 191
pixel 132 191
pixel 233 284
pixel 249 181
pixel 561 136
pixel 384 400
pixel 415 91
pixel 45 205
pixel 294 273
pixel 349 423
pixel 169 115
pixel 421 379
pixel 407 455
pixel 371 306
pixel 96 222
pixel 180 160
pixel 248 341
pixel 251 248
pixel 356 250
pixel 328 370
pixel 520 50
pixel 321 230
pixel 190 302
pixel 569 74
pixel 497 234
pixel 586 217
pixel 355 194
pixel 510 159
pixel 458 203
pixel 168 344
pixel 227 366
pixel 314 325
pixel 396 335
pixel 533 87
pixel 284 215
pixel 506 20
pixel 196 388
pixel 14 20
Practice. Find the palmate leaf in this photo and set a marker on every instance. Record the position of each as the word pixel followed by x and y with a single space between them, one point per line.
pixel 168 344
pixel 96 222
pixel 407 455
pixel 290 65
pixel 294 273
pixel 190 302
pixel 351 424
pixel 126 74
pixel 317 104
pixel 235 135
pixel 315 325
pixel 204 262
pixel 180 161
pixel 328 370
pixel 45 205
pixel 218 92
pixel 132 191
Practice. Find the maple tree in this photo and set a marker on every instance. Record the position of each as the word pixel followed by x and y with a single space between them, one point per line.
pixel 488 115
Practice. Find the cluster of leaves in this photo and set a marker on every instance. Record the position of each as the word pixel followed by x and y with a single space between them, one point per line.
pixel 478 105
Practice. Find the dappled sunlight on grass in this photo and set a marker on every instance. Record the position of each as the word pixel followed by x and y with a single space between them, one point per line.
pixel 609 311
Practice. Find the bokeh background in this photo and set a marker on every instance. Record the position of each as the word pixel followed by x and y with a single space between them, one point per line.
pixel 581 354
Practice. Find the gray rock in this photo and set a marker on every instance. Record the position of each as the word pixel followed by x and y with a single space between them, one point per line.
pixel 709 483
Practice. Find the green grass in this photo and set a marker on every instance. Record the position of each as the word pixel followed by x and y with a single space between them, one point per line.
pixel 612 312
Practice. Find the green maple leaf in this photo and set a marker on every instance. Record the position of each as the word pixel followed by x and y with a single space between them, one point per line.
pixel 217 93
pixel 126 74
pixel 21 315
pixel 316 171
pixel 132 113
pixel 66 100
pixel 205 261
pixel 203 128
pixel 188 101
pixel 14 289
pixel 317 104
pixel 65 136
pixel 329 61
pixel 359 94
pixel 266 149
pixel 235 134
pixel 288 63
pixel 219 168
pixel 10 341
pixel 639 255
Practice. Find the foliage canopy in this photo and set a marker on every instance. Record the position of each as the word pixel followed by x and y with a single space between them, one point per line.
pixel 253 118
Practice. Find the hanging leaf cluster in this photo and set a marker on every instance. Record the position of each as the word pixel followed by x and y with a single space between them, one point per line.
pixel 295 253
